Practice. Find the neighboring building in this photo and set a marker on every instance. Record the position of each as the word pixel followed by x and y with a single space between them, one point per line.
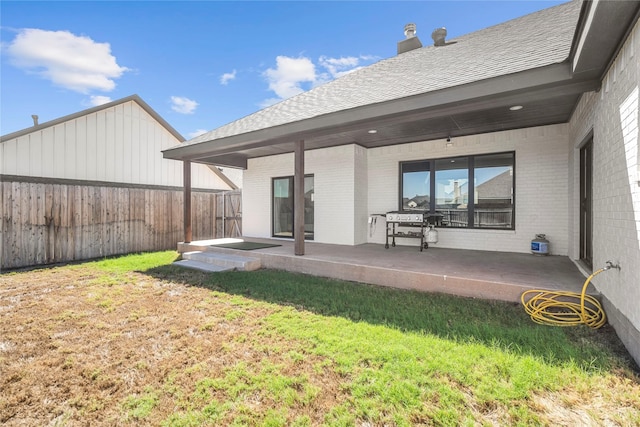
pixel 417 202
pixel 118 142
pixel 537 118
pixel 94 183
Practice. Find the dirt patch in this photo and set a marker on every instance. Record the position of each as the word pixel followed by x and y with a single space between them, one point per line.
pixel 74 349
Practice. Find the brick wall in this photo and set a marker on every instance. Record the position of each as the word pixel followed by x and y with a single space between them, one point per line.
pixel 336 201
pixel 361 194
pixel 256 193
pixel 541 186
pixel 352 183
pixel 612 115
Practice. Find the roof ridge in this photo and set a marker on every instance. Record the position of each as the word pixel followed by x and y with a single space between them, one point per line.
pixel 91 110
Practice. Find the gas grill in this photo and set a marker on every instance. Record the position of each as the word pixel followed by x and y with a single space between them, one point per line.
pixel 414 219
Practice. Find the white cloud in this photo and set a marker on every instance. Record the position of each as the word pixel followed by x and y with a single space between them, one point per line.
pixel 338 67
pixel 183 105
pixel 286 79
pixel 226 77
pixel 74 62
pixel 96 100
pixel 290 74
pixel 197 132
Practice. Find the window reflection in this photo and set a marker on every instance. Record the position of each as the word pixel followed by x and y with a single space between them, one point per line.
pixel 452 191
pixel 444 186
pixel 493 195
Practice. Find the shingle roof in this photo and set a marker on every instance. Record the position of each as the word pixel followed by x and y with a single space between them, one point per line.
pixel 532 41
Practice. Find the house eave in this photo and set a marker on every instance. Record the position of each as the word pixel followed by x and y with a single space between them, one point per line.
pixel 537 85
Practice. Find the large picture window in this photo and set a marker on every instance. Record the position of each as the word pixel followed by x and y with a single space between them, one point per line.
pixel 282 207
pixel 462 192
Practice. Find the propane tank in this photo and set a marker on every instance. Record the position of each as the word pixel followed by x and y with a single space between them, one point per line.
pixel 540 245
pixel 432 235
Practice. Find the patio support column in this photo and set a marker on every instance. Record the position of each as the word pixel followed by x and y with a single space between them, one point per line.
pixel 186 170
pixel 298 198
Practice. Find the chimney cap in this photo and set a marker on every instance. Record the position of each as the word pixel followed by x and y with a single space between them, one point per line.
pixel 410 30
pixel 438 36
pixel 35 119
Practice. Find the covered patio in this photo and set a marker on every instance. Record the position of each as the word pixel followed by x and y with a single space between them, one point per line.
pixel 478 274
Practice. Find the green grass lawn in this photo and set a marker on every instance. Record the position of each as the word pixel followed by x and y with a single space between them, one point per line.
pixel 302 350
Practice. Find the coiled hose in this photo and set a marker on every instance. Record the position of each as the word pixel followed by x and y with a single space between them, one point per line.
pixel 565 308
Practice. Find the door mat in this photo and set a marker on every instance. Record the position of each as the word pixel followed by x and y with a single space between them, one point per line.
pixel 245 246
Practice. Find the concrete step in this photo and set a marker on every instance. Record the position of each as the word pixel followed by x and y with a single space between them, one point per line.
pixel 224 260
pixel 202 266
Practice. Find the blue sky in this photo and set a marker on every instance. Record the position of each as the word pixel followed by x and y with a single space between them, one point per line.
pixel 202 64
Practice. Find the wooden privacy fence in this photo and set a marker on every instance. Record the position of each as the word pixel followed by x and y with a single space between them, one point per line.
pixel 44 223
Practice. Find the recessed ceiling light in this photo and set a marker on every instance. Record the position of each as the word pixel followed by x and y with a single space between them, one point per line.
pixel 372 131
pixel 516 108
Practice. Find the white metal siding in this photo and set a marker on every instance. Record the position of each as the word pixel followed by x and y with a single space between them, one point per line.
pixel 120 144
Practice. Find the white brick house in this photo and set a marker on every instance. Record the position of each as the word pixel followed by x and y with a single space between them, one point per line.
pixel 550 98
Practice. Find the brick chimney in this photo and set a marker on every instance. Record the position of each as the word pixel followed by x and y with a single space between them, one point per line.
pixel 411 41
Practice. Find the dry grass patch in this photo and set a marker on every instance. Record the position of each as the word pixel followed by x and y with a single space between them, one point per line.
pixel 127 343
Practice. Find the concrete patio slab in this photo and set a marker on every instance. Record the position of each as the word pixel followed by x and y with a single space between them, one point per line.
pixel 479 274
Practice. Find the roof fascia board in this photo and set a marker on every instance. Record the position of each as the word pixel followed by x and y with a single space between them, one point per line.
pixel 586 19
pixel 439 102
pixel 159 119
pixel 92 110
pixel 601 31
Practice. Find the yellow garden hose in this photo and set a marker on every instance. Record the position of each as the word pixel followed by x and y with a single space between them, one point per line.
pixel 565 308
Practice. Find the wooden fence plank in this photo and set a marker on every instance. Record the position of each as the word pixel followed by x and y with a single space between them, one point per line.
pixel 49 224
pixel 70 210
pixel 57 223
pixel 32 220
pixel 14 225
pixel 21 222
pixel 38 191
pixel 96 219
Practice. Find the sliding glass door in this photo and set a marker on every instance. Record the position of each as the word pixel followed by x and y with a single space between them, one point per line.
pixel 282 207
